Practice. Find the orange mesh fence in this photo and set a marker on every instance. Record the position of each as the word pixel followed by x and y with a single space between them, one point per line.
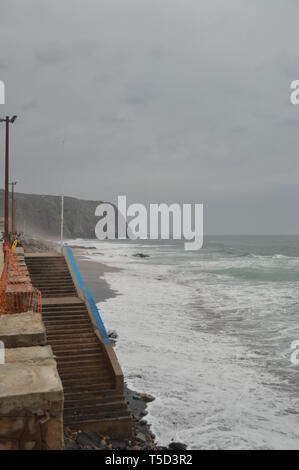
pixel 16 291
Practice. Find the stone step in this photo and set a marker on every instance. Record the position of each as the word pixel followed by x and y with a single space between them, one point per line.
pixel 99 380
pixel 101 385
pixel 61 322
pixel 64 308
pixel 64 325
pixel 52 287
pixel 95 409
pixel 77 341
pixel 86 360
pixel 50 295
pixel 68 330
pixel 74 350
pixel 97 400
pixel 83 370
pixel 86 420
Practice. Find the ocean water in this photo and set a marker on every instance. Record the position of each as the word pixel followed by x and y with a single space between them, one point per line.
pixel 209 334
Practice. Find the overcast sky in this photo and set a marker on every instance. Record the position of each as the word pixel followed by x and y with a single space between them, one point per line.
pixel 159 100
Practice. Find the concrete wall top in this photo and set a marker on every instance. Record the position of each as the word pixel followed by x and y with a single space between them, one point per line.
pixel 22 329
pixel 28 384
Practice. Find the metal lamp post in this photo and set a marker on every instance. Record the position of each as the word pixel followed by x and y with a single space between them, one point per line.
pixel 7 121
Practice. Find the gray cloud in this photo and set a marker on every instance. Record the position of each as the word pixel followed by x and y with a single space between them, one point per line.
pixel 161 100
pixel 4 63
pixel 51 56
pixel 31 105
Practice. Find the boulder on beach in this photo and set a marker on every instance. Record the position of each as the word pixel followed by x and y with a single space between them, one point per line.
pixel 144 397
pixel 177 446
pixel 112 334
pixel 141 255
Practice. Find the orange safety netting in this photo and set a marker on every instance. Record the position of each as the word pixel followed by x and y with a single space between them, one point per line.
pixel 16 291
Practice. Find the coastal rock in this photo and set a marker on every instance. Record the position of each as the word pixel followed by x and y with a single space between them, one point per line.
pixel 118 445
pixel 136 397
pixel 89 439
pixel 134 376
pixel 146 397
pixel 112 334
pixel 177 446
pixel 69 445
pixel 79 216
pixel 82 247
pixel 292 411
pixel 141 437
pixel 136 415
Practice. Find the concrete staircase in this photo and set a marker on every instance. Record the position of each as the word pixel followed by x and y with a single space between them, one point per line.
pixel 50 274
pixel 93 400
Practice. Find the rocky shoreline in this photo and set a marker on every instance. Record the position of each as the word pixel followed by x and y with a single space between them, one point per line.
pixel 142 437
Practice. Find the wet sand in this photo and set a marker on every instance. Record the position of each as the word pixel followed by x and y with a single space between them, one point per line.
pixel 93 273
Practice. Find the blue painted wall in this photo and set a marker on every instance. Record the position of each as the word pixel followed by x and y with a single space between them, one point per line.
pixel 88 296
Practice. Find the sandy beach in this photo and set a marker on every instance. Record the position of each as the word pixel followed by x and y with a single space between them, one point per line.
pixel 93 274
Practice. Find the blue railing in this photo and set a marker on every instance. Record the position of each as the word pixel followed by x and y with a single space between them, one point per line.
pixel 88 296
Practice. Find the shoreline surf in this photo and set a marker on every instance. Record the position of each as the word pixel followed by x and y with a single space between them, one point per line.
pixel 200 334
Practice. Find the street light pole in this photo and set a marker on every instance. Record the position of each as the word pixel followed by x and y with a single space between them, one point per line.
pixel 13 183
pixel 6 215
pixel 7 121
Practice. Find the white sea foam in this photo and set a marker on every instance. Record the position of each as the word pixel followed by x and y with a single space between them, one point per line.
pixel 200 341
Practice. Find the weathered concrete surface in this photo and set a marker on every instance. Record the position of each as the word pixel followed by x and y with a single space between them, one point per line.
pixel 30 355
pixel 61 300
pixel 22 329
pixel 28 387
pixel 31 400
pixel 37 254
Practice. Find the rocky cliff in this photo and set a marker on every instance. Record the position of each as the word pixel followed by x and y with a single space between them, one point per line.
pixel 40 215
